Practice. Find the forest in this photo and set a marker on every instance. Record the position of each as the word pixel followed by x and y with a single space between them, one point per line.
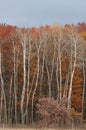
pixel 43 74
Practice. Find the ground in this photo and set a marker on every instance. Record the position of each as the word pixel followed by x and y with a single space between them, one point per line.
pixel 37 129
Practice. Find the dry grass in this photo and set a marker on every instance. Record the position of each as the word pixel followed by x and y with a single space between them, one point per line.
pixel 22 127
pixel 37 129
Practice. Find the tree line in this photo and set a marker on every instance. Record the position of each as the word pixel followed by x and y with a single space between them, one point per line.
pixel 36 63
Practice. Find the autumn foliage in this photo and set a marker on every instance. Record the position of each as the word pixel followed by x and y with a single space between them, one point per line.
pixel 36 63
pixel 52 114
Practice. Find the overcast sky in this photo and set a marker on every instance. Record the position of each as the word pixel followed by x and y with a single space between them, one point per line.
pixel 42 12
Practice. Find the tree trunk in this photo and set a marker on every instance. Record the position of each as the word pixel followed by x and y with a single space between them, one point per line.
pixel 28 83
pixel 83 94
pixel 24 84
pixel 3 92
pixel 38 67
pixel 15 82
pixel 72 75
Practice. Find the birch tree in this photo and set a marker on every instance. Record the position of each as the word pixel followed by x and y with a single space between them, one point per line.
pixel 38 47
pixel 29 89
pixel 23 39
pixel 76 54
pixel 15 60
pixel 59 45
pixel 3 96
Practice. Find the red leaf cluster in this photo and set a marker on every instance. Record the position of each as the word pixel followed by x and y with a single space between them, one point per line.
pixel 53 114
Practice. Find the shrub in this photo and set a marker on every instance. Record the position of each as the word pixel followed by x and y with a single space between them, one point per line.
pixel 53 114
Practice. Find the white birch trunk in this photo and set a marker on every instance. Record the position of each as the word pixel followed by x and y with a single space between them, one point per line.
pixel 42 71
pixel 72 75
pixel 2 89
pixel 24 84
pixel 15 85
pixel 60 71
pixel 57 79
pixel 10 98
pixel 28 83
pixel 1 108
pixel 38 67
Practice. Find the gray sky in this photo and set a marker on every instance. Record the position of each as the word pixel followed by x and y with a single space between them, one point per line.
pixel 42 12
